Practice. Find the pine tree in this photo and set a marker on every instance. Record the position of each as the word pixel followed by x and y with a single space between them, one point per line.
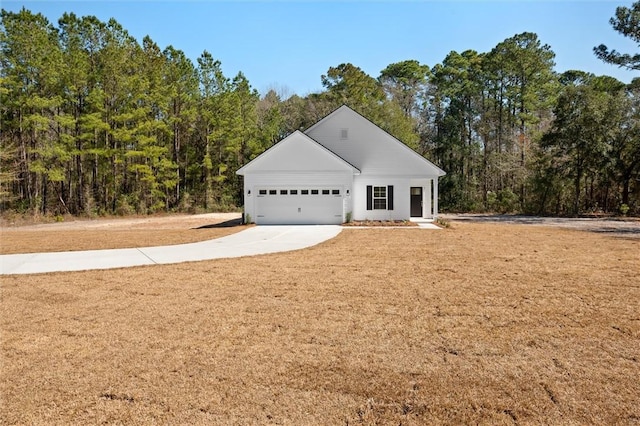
pixel 627 23
pixel 30 59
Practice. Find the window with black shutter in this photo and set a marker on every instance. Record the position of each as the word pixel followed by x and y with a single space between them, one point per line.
pixel 379 197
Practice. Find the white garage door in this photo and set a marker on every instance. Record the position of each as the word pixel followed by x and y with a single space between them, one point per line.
pixel 315 205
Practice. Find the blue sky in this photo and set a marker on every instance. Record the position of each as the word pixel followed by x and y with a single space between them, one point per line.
pixel 288 45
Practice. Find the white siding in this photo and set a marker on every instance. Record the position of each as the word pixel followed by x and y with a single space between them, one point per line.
pixel 401 197
pixel 298 153
pixel 369 148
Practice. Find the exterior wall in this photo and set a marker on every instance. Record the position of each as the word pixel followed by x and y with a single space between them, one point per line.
pixel 369 148
pixel 382 160
pixel 296 153
pixel 296 180
pixel 401 197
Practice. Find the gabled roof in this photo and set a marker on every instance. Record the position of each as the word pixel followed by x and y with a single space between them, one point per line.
pixel 368 147
pixel 297 153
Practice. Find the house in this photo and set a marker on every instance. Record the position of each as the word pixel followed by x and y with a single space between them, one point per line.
pixel 342 168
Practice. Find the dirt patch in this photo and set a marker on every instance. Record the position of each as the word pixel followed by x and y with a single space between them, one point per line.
pixel 117 233
pixel 480 323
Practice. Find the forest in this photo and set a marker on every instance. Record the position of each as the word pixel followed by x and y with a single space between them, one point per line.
pixel 93 122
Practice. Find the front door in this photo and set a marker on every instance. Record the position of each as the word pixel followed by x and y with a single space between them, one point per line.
pixel 416 201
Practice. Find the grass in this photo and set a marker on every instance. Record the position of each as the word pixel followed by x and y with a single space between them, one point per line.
pixel 116 233
pixel 478 323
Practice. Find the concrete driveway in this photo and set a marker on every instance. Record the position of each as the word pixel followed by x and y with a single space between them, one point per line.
pixel 252 241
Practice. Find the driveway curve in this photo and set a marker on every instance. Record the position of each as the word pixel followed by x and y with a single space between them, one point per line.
pixel 250 242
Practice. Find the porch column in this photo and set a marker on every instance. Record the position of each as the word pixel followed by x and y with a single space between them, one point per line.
pixel 426 200
pixel 435 198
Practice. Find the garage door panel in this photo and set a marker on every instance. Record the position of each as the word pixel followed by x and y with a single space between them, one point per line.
pixel 299 209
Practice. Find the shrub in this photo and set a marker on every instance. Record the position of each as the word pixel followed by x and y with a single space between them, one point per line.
pixel 503 201
pixel 123 206
pixel 442 223
pixel 624 209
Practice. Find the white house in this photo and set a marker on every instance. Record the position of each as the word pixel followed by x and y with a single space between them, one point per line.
pixel 342 168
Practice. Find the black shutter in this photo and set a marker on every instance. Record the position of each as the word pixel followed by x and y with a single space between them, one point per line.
pixel 369 197
pixel 390 197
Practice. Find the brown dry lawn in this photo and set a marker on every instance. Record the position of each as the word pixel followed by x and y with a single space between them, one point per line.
pixel 479 323
pixel 116 233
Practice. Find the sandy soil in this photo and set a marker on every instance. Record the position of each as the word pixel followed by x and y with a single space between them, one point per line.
pixel 480 323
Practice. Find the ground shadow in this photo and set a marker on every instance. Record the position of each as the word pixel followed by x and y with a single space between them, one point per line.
pixel 226 224
pixel 621 231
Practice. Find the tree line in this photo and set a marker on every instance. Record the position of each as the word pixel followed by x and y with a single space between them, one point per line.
pixel 93 122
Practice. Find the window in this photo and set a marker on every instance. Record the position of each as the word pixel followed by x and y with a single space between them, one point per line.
pixel 293 192
pixel 272 192
pixel 314 192
pixel 325 192
pixel 304 192
pixel 283 192
pixel 379 197
pixel 263 192
pixel 335 192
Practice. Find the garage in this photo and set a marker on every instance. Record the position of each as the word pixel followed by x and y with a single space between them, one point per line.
pixel 297 181
pixel 308 205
